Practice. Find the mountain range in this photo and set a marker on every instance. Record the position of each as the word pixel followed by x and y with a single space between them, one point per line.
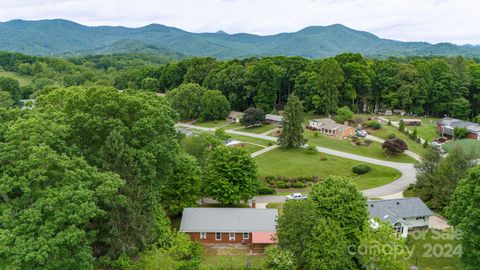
pixel 63 37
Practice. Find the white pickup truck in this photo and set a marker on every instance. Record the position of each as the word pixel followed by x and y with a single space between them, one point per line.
pixel 296 196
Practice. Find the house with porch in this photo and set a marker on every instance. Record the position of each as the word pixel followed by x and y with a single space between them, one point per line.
pixel 247 226
pixel 404 214
pixel 235 116
pixel 446 126
pixel 329 127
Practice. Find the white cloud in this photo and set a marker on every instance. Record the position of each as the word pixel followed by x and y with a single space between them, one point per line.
pixel 409 20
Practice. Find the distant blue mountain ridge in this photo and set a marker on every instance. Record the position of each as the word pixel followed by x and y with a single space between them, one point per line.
pixel 63 37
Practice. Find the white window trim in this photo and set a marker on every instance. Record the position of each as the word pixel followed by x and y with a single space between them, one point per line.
pixel 203 235
pixel 230 236
pixel 248 236
pixel 218 239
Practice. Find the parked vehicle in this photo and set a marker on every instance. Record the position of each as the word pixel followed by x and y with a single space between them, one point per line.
pixel 296 196
pixel 361 133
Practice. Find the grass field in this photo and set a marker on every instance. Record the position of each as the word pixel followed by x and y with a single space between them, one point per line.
pixel 302 162
pixel 22 79
pixel 468 145
pixel 434 250
pixel 374 150
pixel 211 124
pixel 229 258
pixel 412 146
pixel 258 129
pixel 250 148
pixel 251 140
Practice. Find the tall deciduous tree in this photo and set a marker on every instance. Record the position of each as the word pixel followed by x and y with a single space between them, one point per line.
pixel 130 134
pixel 214 106
pixel 375 244
pixel 50 198
pixel 292 130
pixel 187 100
pixel 327 248
pixel 339 199
pixel 295 226
pixel 231 176
pixel 253 117
pixel 330 80
pixel 464 214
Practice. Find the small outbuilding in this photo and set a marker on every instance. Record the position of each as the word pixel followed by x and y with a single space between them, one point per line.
pixel 412 122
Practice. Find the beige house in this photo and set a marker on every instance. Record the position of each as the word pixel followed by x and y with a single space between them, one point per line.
pixel 235 116
pixel 328 127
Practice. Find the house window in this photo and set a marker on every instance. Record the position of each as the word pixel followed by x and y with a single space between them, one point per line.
pixel 218 236
pixel 231 236
pixel 203 235
pixel 246 236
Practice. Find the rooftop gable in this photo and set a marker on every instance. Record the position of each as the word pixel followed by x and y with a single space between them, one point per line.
pixel 228 220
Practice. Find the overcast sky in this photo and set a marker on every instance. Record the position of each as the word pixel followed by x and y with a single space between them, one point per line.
pixel 456 21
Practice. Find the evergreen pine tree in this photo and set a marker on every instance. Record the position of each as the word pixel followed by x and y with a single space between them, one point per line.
pixel 292 131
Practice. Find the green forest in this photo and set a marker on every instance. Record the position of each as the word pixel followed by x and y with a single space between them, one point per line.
pixel 93 173
pixel 434 86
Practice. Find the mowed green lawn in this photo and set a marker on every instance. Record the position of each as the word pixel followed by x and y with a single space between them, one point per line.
pixel 22 79
pixel 374 150
pixel 434 250
pixel 211 124
pixel 304 163
pixel 258 129
pixel 412 146
pixel 468 146
pixel 251 140
pixel 229 258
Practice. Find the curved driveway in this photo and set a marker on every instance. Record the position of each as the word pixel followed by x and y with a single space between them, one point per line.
pixel 406 169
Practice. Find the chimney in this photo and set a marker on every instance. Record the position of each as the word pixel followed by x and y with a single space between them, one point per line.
pixel 253 204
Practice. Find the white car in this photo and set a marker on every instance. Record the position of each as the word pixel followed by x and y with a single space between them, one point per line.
pixel 296 196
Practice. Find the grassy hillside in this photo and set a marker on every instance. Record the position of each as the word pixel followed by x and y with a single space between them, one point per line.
pixel 22 79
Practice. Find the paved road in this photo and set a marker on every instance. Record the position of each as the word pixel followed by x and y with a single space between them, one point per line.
pixel 396 187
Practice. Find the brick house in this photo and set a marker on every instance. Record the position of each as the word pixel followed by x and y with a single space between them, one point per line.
pixel 447 126
pixel 248 226
pixel 328 127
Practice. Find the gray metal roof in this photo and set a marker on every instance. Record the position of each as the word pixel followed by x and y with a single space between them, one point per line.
pixel 396 209
pixel 324 121
pixel 228 220
pixel 273 117
pixel 451 123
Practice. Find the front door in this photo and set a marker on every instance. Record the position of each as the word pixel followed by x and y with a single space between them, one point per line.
pixel 231 236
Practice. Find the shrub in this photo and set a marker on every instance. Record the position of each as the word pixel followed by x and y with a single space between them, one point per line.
pixel 367 142
pixel 323 158
pixel 298 184
pixel 315 134
pixel 360 168
pixel 265 190
pixel 282 184
pixel 374 125
pixel 425 144
pixel 389 122
pixel 391 136
pixel 312 148
pixel 401 126
pixel 460 133
pixel 394 146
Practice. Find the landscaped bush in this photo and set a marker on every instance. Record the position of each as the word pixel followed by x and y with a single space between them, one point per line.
pixel 282 184
pixel 360 168
pixel 323 158
pixel 374 125
pixel 265 190
pixel 391 136
pixel 315 134
pixel 312 148
pixel 367 142
pixel 298 184
pixel 395 146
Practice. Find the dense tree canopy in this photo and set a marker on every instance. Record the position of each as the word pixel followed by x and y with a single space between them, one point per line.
pixel 231 176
